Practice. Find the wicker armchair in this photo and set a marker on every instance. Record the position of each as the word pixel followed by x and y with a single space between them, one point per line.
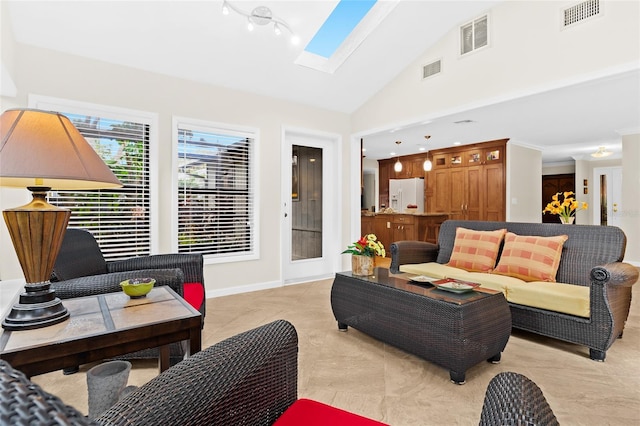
pixel 513 399
pixel 81 270
pixel 248 379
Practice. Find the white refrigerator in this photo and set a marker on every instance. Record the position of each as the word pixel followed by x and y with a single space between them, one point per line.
pixel 404 192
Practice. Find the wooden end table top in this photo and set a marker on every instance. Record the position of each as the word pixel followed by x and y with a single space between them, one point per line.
pixel 105 326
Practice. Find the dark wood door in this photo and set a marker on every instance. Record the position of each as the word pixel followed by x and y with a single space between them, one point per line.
pixel 551 185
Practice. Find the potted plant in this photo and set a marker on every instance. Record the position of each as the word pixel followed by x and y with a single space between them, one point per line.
pixel 363 252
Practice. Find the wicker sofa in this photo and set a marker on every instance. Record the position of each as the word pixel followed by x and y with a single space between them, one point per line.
pixel 592 256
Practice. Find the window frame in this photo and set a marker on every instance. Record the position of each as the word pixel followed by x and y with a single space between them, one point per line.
pixel 178 123
pixel 151 119
pixel 472 22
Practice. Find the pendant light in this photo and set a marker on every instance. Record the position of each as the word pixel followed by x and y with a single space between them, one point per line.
pixel 398 166
pixel 427 166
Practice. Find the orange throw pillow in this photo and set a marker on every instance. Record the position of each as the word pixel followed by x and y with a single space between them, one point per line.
pixel 531 258
pixel 476 251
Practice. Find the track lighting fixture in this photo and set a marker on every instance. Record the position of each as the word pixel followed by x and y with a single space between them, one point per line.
pixel 261 15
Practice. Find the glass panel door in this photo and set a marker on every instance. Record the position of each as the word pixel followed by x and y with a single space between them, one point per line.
pixel 306 203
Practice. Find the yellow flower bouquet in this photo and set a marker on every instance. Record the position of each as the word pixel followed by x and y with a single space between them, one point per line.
pixel 566 207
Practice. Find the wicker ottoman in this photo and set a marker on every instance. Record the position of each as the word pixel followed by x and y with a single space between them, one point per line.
pixel 455 331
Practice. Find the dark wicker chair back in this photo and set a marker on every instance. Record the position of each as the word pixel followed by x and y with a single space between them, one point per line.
pixel 79 256
pixel 588 245
pixel 248 379
pixel 513 399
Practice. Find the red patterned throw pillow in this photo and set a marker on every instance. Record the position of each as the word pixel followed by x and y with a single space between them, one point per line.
pixel 476 251
pixel 531 258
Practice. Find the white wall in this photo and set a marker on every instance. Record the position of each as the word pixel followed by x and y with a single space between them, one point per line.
pixel 49 73
pixel 528 53
pixel 630 222
pixel 559 169
pixel 524 188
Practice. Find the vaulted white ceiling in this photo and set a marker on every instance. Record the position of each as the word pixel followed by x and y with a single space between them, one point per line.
pixel 195 41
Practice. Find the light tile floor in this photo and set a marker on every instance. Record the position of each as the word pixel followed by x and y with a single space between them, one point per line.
pixel 357 373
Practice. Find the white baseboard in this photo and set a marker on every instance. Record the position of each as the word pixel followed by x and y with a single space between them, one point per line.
pixel 262 286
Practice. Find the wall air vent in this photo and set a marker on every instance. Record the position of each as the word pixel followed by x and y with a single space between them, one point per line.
pixel 580 12
pixel 431 69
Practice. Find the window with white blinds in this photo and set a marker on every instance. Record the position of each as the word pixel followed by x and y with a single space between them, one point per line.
pixel 118 218
pixel 216 212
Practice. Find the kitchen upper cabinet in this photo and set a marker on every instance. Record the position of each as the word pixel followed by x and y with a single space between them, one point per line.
pixel 469 183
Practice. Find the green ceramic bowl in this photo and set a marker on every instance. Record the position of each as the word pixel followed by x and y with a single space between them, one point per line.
pixel 137 287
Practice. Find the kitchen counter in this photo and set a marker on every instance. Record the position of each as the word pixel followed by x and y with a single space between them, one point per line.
pixel 390 227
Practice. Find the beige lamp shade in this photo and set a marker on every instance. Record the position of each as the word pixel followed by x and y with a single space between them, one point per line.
pixel 44 149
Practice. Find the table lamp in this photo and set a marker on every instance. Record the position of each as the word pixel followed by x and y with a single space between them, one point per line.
pixel 43 150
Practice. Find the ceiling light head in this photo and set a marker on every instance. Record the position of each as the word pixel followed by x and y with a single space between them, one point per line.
pixel 249 24
pixel 261 15
pixel 427 165
pixel 225 8
pixel 276 29
pixel 601 152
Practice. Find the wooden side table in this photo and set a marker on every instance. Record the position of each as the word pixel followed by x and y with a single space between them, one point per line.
pixel 105 326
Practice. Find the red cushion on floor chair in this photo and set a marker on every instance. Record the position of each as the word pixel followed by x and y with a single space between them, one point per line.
pixel 194 294
pixel 312 413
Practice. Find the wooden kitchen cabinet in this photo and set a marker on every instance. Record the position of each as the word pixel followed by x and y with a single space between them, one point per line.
pixel 469 183
pixel 403 227
pixel 382 229
pixel 399 227
pixel 367 225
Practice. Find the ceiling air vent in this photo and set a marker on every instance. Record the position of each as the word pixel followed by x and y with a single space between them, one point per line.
pixel 580 12
pixel 431 69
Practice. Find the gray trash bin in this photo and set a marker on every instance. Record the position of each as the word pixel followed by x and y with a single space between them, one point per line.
pixel 105 382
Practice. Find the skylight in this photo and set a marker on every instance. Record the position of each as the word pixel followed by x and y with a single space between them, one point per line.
pixel 342 32
pixel 342 21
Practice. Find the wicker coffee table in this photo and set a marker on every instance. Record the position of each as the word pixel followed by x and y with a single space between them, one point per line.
pixel 455 331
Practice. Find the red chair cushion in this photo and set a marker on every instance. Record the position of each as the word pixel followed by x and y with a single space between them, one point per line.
pixel 312 413
pixel 194 294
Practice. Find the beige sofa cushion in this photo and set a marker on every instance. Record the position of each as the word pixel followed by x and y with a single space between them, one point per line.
pixel 433 269
pixel 558 297
pixel 495 282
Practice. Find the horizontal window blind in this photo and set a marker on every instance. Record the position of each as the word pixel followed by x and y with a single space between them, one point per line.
pixel 118 218
pixel 215 192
